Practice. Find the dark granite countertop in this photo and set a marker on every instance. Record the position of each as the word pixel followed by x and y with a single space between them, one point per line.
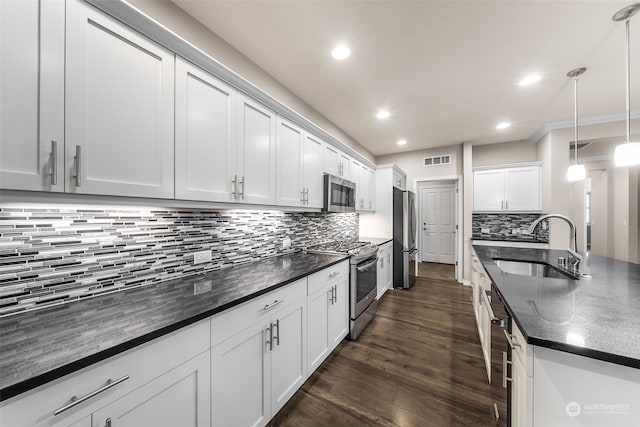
pixel 596 317
pixel 378 241
pixel 42 345
pixel 509 239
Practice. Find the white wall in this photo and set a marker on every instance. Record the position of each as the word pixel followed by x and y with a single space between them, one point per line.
pixel 504 153
pixel 412 163
pixel 175 19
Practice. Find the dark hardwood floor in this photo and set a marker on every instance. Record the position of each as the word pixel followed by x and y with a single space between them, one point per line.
pixel 418 363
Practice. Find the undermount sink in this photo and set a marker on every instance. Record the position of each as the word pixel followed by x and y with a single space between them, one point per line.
pixel 533 269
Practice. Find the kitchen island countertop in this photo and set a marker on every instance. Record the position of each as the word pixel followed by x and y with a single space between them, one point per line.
pixel 597 317
pixel 40 346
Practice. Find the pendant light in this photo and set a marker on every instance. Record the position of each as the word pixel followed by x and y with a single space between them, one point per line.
pixel 576 171
pixel 627 153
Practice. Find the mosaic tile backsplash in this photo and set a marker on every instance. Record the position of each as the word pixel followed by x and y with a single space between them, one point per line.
pixel 49 256
pixel 500 226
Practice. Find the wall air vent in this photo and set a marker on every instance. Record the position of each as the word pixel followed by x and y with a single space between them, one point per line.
pixel 437 160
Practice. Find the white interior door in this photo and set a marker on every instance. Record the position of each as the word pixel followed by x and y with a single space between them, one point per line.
pixel 438 224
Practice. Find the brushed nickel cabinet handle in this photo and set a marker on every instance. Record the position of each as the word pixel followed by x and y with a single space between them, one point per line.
pixel 506 205
pixel 234 183
pixel 77 164
pixel 307 195
pixel 107 423
pixel 302 196
pixel 241 183
pixel 74 401
pixel 54 162
pixel 276 337
pixel 269 342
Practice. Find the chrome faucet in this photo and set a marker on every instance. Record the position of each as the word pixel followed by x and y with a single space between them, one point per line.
pixel 574 257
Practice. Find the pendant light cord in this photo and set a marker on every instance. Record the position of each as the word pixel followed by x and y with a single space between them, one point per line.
pixel 627 25
pixel 575 120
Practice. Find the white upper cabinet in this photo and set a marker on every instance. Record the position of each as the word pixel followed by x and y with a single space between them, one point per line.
pixel 372 189
pixel 337 163
pixel 330 160
pixel 299 167
pixel 507 189
pixel 312 175
pixel 32 95
pixel 290 191
pixel 205 142
pixel 522 189
pixel 119 108
pixel 363 182
pixel 256 153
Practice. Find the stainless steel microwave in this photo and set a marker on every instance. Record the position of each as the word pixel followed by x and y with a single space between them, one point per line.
pixel 339 194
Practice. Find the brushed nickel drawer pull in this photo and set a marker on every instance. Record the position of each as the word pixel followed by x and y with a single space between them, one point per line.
pixel 241 183
pixel 269 331
pixel 54 162
pixel 273 304
pixel 74 401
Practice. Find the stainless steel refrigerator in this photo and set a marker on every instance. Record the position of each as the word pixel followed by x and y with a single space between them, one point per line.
pixel 404 238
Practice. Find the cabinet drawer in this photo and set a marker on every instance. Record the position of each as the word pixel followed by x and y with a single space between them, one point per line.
pixel 230 322
pixel 330 274
pixel 141 364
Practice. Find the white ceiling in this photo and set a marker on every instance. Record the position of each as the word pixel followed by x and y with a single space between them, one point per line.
pixel 447 70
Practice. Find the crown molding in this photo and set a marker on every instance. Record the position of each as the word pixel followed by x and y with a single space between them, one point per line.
pixel 569 123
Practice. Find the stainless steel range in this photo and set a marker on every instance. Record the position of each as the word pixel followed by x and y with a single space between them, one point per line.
pixel 363 279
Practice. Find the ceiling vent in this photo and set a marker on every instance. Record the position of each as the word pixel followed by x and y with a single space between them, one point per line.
pixel 437 160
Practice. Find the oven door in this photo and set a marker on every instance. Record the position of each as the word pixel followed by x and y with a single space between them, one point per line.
pixel 364 279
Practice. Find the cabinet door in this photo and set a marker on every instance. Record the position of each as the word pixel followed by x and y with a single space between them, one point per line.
pixel 318 328
pixel 330 160
pixel 364 184
pixel 355 177
pixel 205 136
pixel 372 190
pixel 488 190
pixel 339 313
pixel 345 166
pixel 518 394
pixel 119 108
pixel 239 379
pixel 31 101
pixel 389 266
pixel 289 355
pixel 522 189
pixel 382 272
pixel 256 153
pixel 289 188
pixel 179 397
pixel 312 170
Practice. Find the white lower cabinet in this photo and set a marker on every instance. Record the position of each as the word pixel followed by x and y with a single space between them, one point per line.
pixel 165 367
pixel 385 268
pixel 181 397
pixel 236 368
pixel 328 312
pixel 258 367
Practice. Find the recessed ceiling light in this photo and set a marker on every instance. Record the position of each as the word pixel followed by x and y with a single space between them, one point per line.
pixel 341 52
pixel 503 125
pixel 402 142
pixel 529 80
pixel 383 114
